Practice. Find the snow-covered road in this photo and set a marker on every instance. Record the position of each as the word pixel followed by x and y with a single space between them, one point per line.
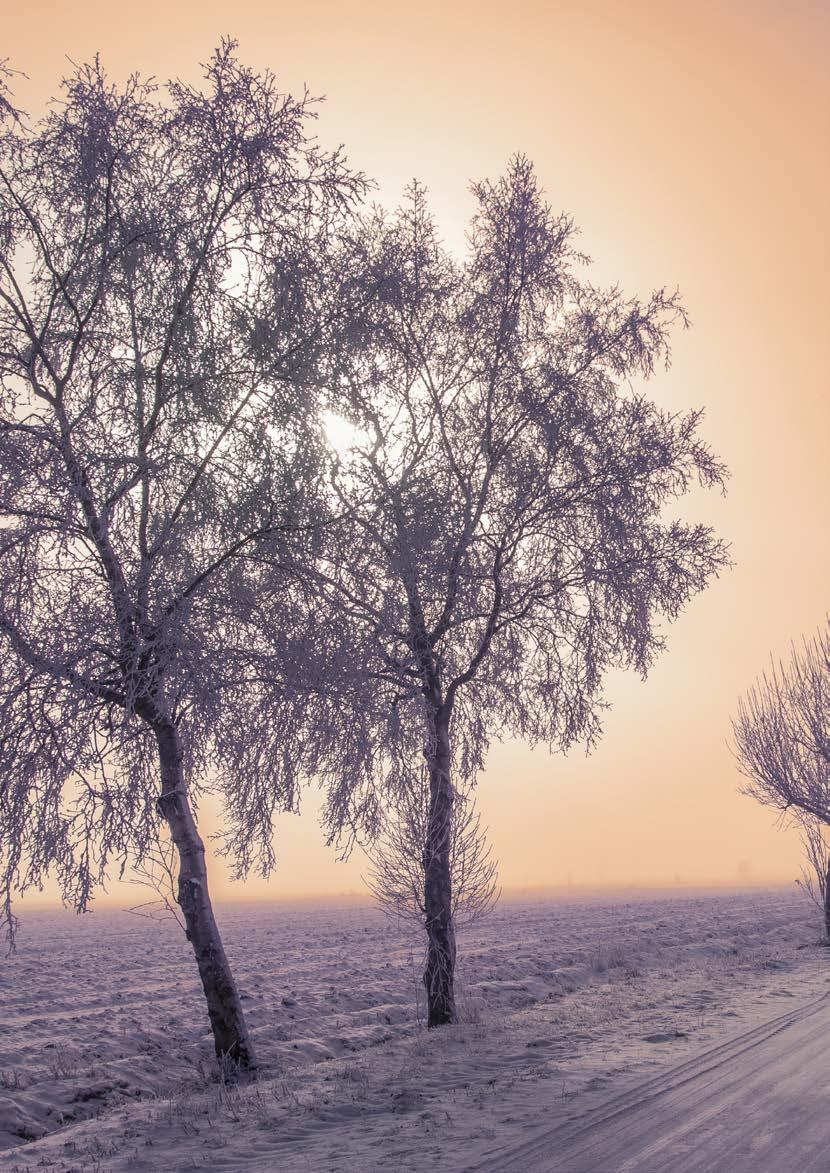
pixel 758 1102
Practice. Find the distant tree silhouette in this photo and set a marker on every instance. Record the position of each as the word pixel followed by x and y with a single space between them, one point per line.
pixel 504 539
pixel 782 743
pixel 162 308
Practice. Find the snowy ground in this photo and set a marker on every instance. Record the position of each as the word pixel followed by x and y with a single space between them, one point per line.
pixel 105 1063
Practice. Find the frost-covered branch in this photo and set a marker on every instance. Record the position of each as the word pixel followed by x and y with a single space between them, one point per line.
pixel 782 732
pixel 396 876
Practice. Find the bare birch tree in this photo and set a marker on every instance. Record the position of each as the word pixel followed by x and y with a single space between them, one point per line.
pixel 396 877
pixel 505 540
pixel 782 744
pixel 162 309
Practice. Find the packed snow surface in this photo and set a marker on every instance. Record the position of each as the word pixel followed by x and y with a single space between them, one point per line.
pixel 755 1102
pixel 567 1005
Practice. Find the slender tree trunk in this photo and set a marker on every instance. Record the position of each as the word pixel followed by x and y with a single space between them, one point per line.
pixel 230 1033
pixel 827 902
pixel 439 973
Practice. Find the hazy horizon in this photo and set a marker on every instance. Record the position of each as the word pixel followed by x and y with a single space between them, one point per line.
pixel 362 897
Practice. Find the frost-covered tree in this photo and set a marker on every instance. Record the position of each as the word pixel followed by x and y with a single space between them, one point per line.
pixel 396 876
pixel 505 537
pixel 782 743
pixel 163 306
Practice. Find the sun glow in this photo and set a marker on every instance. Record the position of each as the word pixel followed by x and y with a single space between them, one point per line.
pixel 341 435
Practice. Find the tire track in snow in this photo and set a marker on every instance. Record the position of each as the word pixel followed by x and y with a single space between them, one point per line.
pixel 663 1124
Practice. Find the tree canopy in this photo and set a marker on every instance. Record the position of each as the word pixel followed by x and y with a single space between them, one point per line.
pixel 505 537
pixel 164 302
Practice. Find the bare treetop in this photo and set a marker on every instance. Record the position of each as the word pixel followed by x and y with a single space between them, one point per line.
pixel 508 484
pixel 782 732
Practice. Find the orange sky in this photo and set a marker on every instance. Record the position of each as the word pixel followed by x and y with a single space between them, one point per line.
pixel 690 142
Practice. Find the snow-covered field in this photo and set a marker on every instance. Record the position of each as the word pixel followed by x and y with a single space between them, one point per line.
pixel 106 1064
